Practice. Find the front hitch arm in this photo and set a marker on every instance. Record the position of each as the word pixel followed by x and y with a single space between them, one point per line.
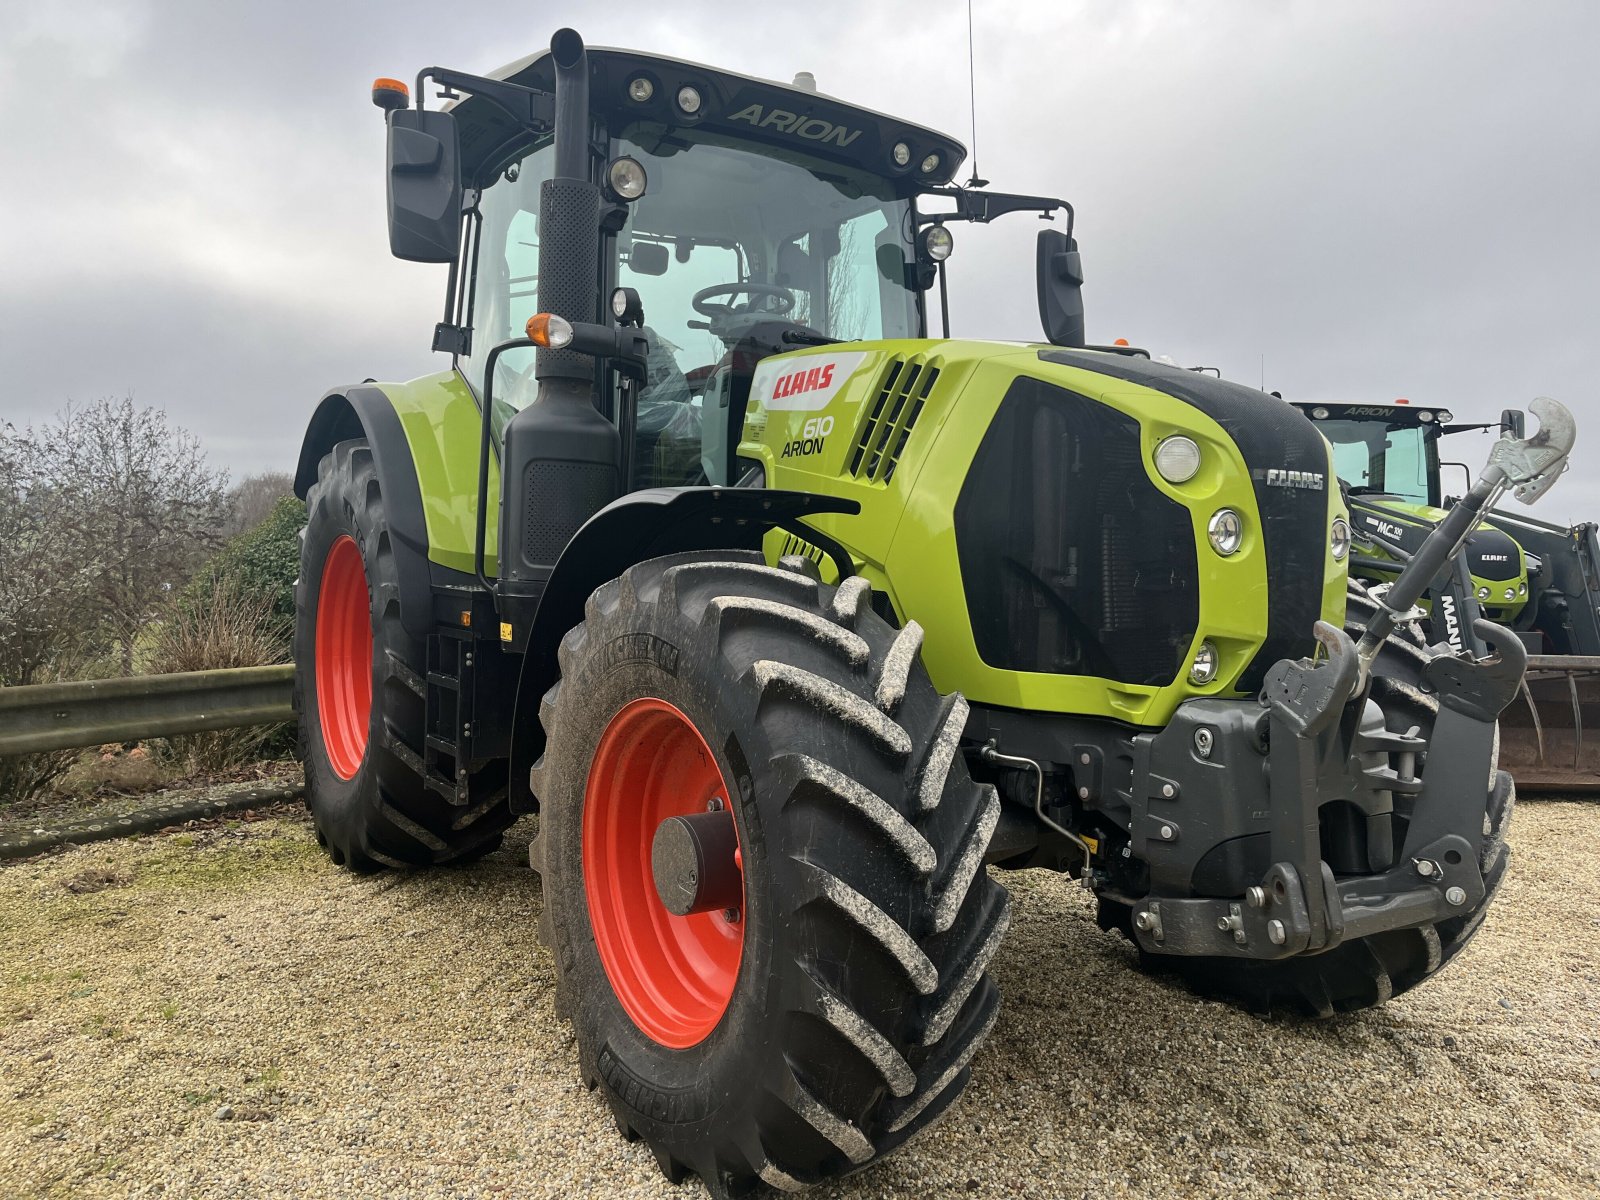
pixel 1527 465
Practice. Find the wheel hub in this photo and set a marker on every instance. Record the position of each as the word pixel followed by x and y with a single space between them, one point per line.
pixel 693 861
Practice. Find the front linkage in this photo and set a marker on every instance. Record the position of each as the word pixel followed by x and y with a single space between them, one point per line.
pixel 1326 737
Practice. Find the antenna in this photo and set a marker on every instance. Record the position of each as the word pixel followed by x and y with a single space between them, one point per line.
pixel 972 97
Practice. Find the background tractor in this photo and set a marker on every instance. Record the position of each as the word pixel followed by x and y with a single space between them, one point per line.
pixel 1541 580
pixel 787 618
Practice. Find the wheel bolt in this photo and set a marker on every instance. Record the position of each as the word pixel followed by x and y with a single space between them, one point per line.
pixel 1276 933
pixel 731 915
pixel 1456 896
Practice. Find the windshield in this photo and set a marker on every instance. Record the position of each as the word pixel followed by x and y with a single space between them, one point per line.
pixel 724 242
pixel 721 228
pixel 1383 457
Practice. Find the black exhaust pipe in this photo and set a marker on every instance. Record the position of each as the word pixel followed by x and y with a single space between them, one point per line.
pixel 561 457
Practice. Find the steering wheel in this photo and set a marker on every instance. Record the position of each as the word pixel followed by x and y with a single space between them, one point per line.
pixel 767 291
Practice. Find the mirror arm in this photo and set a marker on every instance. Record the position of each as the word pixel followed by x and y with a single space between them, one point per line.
pixel 526 106
pixel 983 207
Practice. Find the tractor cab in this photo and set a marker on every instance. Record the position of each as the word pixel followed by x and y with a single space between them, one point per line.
pixel 749 218
pixel 746 217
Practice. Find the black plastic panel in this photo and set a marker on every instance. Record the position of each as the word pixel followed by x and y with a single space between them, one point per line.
pixel 1072 561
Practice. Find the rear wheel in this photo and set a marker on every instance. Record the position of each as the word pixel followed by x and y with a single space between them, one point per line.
pixel 1367 971
pixel 761 856
pixel 359 690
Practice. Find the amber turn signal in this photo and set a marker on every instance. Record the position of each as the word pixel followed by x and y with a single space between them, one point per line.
pixel 390 93
pixel 549 331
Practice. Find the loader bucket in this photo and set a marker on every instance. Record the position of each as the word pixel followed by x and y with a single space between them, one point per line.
pixel 1550 735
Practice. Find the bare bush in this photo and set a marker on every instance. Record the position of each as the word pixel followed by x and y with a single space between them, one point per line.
pixel 235 628
pixel 253 499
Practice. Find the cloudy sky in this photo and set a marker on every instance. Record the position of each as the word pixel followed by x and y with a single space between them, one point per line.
pixel 1355 200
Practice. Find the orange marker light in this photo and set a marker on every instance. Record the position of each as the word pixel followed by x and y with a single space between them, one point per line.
pixel 549 331
pixel 1120 342
pixel 390 93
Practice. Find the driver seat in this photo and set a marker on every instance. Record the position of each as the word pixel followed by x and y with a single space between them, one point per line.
pixel 727 396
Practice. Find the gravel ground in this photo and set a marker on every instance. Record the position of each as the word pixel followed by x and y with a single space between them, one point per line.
pixel 222 1013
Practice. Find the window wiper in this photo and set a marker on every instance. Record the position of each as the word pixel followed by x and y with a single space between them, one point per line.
pixel 804 337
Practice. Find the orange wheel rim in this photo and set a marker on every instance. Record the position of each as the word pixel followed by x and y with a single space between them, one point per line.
pixel 344 657
pixel 674 976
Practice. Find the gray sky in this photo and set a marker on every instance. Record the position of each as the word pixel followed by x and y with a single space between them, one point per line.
pixel 1382 199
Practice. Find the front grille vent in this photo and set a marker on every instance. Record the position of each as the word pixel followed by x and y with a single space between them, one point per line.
pixel 891 416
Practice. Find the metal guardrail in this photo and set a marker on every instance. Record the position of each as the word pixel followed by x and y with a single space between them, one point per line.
pixel 62 716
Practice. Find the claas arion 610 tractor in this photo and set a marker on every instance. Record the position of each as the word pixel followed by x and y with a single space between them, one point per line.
pixel 790 620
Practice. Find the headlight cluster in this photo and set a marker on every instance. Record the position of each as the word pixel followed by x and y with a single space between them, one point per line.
pixel 1177 458
pixel 1339 539
pixel 1204 668
pixel 1225 531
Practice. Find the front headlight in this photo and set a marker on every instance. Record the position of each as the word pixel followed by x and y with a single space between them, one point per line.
pixel 1204 668
pixel 1339 539
pixel 1511 593
pixel 1177 458
pixel 1483 593
pixel 1225 531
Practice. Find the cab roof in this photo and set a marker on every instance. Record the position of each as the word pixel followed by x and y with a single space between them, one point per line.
pixel 1404 413
pixel 790 118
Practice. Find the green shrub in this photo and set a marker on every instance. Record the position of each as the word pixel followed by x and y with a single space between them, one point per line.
pixel 259 564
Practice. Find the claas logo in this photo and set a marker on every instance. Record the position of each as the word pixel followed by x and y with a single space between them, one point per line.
pixel 803 381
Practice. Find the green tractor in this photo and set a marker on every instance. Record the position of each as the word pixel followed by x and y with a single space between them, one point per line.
pixel 1539 579
pixel 789 620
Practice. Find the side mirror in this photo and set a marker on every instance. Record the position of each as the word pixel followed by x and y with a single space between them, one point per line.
pixel 424 186
pixel 1512 423
pixel 1060 281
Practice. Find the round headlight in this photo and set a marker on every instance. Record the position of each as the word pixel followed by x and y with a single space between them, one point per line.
pixel 1424 417
pixel 1177 458
pixel 1226 531
pixel 1511 593
pixel 901 154
pixel 627 178
pixel 689 100
pixel 1483 593
pixel 641 89
pixel 1204 668
pixel 930 164
pixel 1319 413
pixel 1522 589
pixel 1339 539
pixel 937 242
pixel 1446 416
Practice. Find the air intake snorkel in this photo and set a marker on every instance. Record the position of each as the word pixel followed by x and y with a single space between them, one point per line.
pixel 561 458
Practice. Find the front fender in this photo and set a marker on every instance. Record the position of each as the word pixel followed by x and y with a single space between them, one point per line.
pixel 639 526
pixel 366 412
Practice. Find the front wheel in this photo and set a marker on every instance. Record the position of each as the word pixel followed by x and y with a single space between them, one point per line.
pixel 762 863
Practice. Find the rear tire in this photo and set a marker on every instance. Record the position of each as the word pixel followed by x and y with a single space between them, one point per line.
pixel 359 690
pixel 859 994
pixel 1366 972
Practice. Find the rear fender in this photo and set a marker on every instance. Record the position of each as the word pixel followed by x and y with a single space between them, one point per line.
pixel 366 412
pixel 639 526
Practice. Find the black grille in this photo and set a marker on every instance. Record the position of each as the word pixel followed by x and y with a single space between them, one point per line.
pixel 570 495
pixel 1071 560
pixel 887 422
pixel 1276 441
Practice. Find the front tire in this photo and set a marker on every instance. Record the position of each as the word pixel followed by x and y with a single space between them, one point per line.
pixel 359 690
pixel 832 1014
